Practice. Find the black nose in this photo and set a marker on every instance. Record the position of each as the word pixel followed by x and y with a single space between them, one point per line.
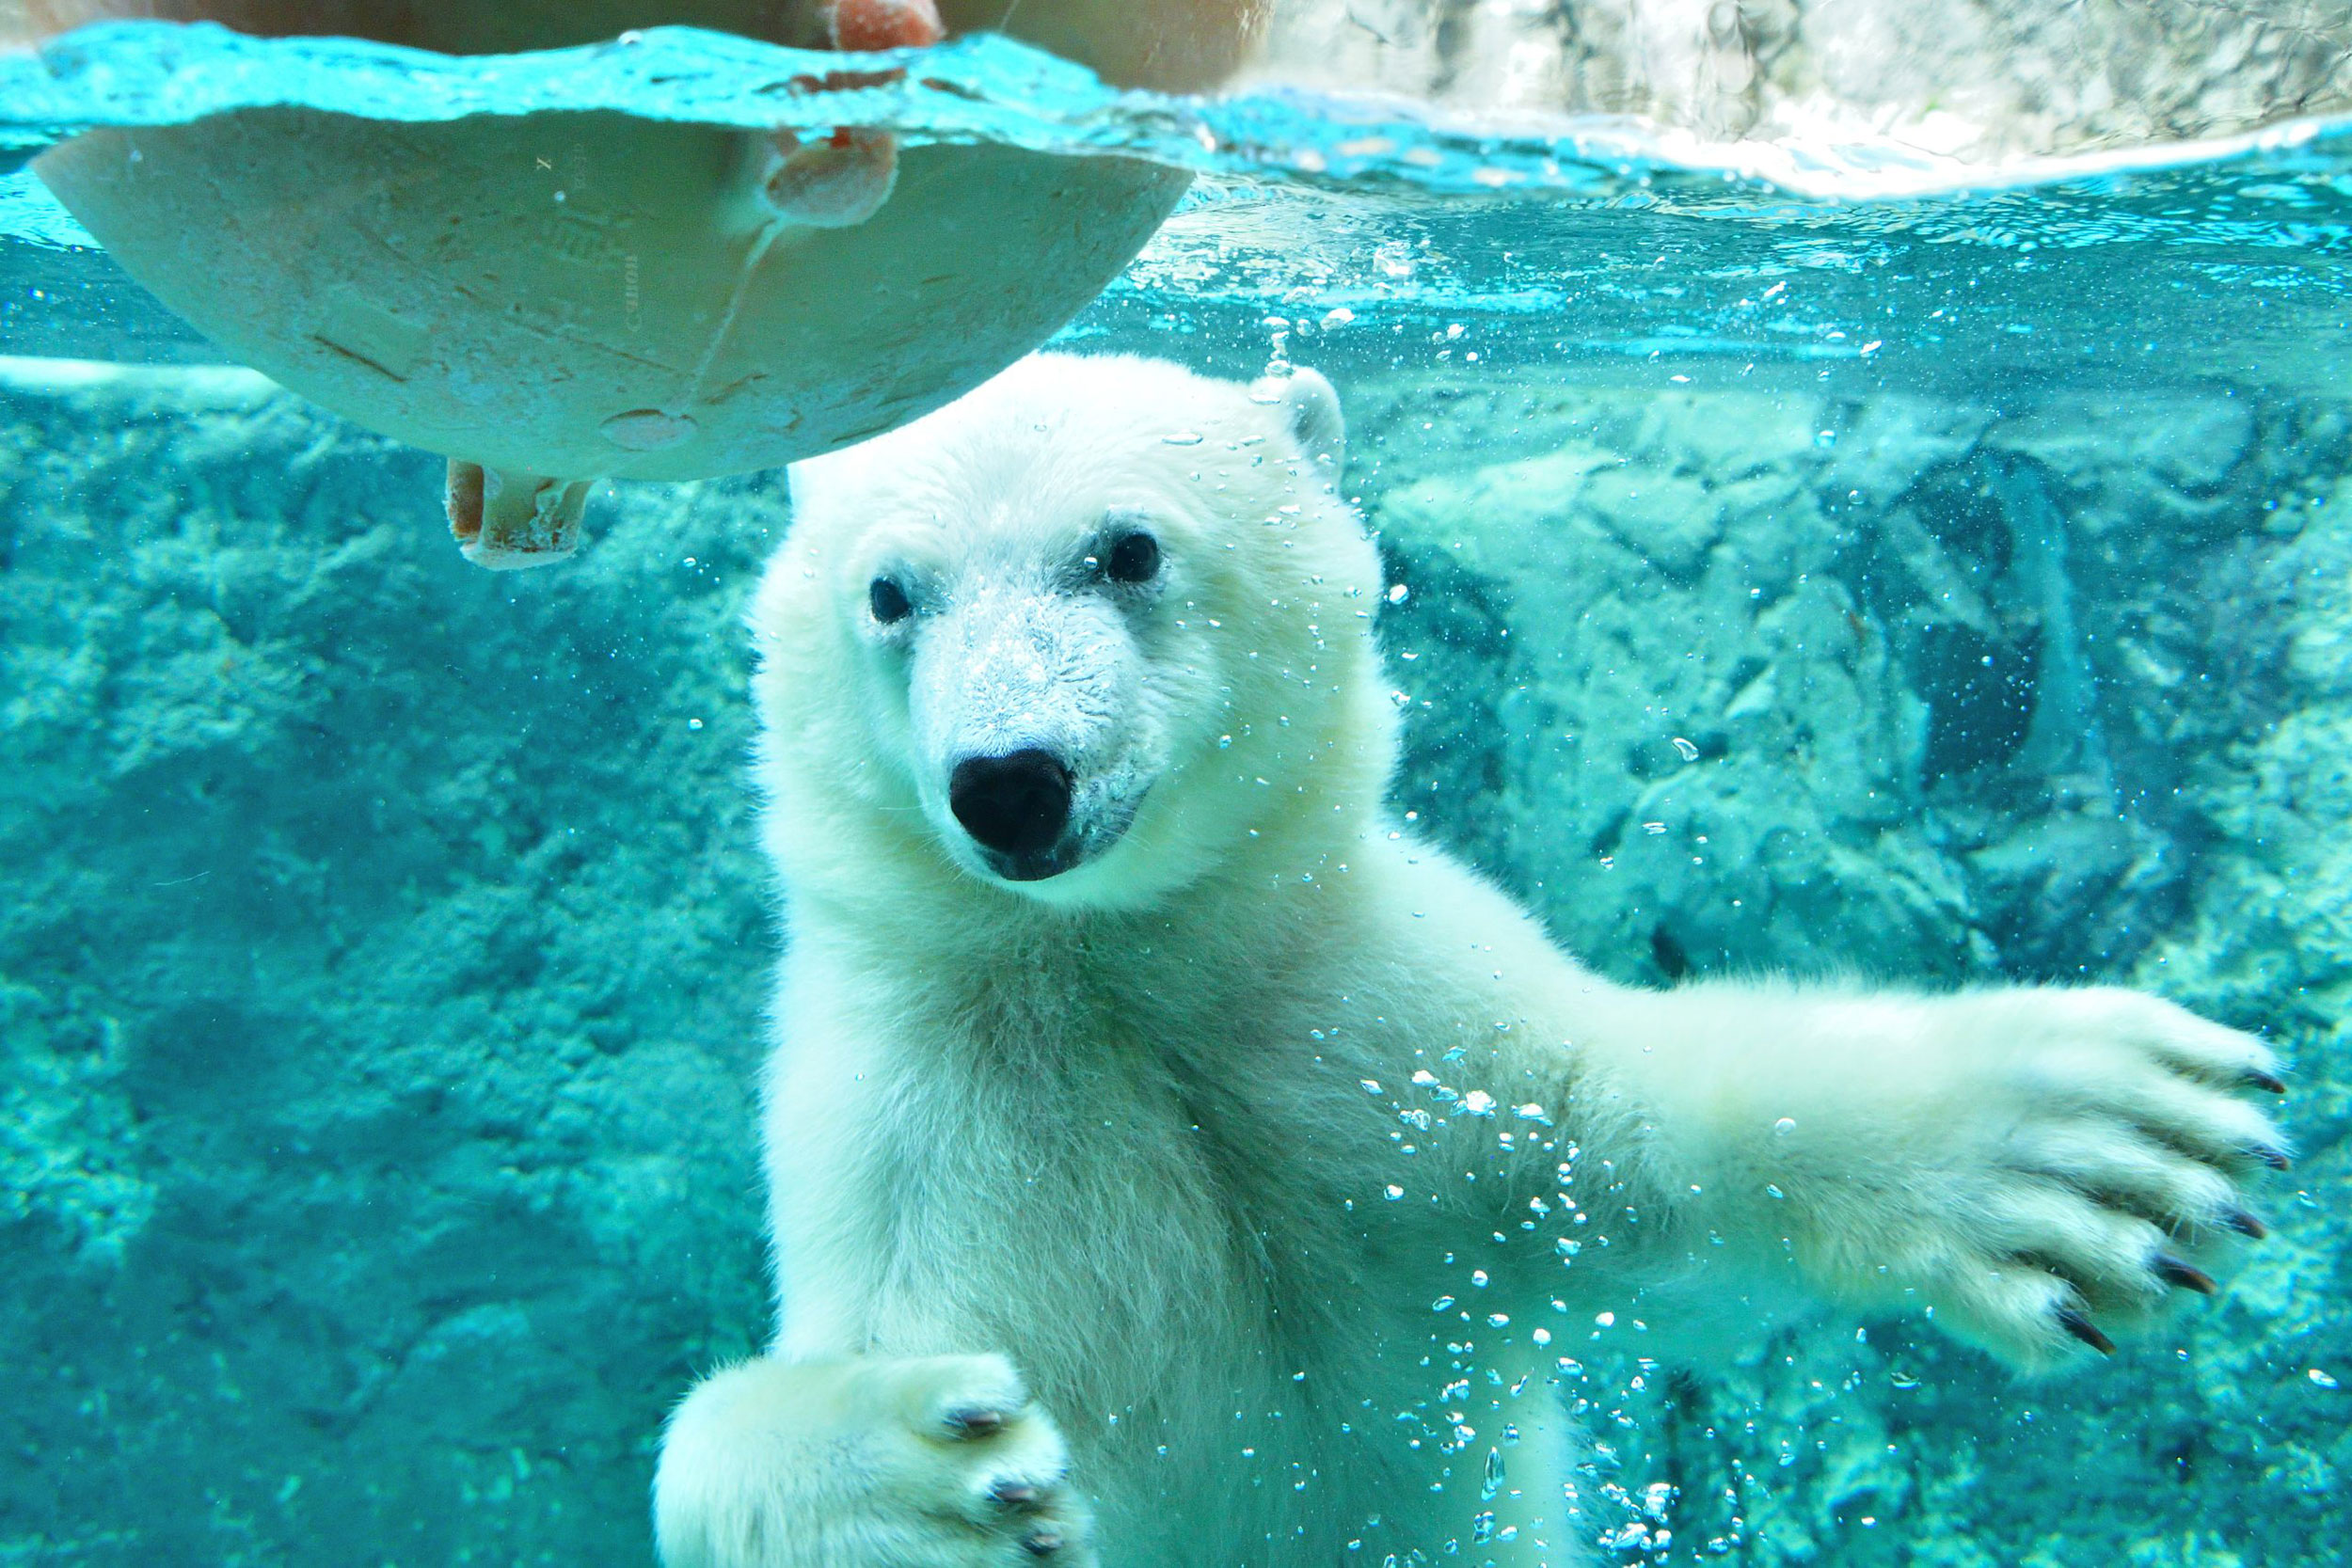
pixel 1016 805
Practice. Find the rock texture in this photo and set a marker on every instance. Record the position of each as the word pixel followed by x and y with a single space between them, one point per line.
pixel 380 983
pixel 1980 78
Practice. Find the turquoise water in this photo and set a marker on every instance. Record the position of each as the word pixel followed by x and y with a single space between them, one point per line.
pixel 384 966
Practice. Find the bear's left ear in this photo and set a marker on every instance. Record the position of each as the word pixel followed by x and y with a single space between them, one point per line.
pixel 1311 408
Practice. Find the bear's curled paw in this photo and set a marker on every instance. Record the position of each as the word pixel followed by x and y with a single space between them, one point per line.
pixel 2075 1155
pixel 864 1462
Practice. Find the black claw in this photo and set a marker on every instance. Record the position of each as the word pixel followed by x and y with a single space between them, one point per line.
pixel 2275 1158
pixel 1015 1493
pixel 2270 1083
pixel 2245 1223
pixel 2071 1320
pixel 2172 1271
pixel 976 1423
pixel 1043 1542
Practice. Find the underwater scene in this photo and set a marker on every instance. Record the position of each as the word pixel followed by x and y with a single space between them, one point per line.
pixel 1820 543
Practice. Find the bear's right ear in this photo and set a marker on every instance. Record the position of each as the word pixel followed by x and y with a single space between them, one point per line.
pixel 1311 405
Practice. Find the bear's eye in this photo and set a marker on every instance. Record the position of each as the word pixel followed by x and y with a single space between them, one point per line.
pixel 1135 558
pixel 888 601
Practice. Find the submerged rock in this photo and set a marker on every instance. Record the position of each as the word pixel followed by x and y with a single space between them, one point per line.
pixel 381 982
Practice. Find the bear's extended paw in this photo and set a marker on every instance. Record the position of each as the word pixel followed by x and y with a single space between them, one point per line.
pixel 2065 1158
pixel 941 1461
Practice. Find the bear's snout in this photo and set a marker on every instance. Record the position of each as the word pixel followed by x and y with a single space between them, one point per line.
pixel 1014 805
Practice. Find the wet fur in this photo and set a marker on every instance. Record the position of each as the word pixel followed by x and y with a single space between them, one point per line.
pixel 1126 1135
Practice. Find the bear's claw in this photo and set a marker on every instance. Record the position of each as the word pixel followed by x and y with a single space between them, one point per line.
pixel 2073 1322
pixel 2173 1271
pixel 972 1425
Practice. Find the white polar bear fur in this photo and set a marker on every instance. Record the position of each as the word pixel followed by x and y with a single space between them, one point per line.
pixel 1108 1209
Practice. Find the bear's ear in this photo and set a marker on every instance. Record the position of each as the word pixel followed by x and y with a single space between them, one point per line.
pixel 1311 408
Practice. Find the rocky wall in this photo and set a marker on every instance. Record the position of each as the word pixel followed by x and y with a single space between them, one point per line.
pixel 381 977
pixel 1969 78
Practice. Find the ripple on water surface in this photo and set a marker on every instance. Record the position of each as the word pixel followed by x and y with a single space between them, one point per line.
pixel 1376 225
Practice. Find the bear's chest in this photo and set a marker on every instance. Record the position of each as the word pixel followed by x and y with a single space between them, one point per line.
pixel 1090 1169
pixel 1179 1288
pixel 963 1159
pixel 1184 1250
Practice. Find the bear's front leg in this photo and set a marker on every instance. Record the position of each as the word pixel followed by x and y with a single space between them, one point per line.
pixel 2032 1166
pixel 866 1462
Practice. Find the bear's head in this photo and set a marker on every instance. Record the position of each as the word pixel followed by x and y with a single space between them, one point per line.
pixel 1096 632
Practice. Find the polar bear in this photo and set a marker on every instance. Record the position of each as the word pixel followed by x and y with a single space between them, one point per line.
pixel 1139 1083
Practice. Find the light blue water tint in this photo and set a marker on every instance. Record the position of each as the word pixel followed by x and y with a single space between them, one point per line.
pixel 1827 558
